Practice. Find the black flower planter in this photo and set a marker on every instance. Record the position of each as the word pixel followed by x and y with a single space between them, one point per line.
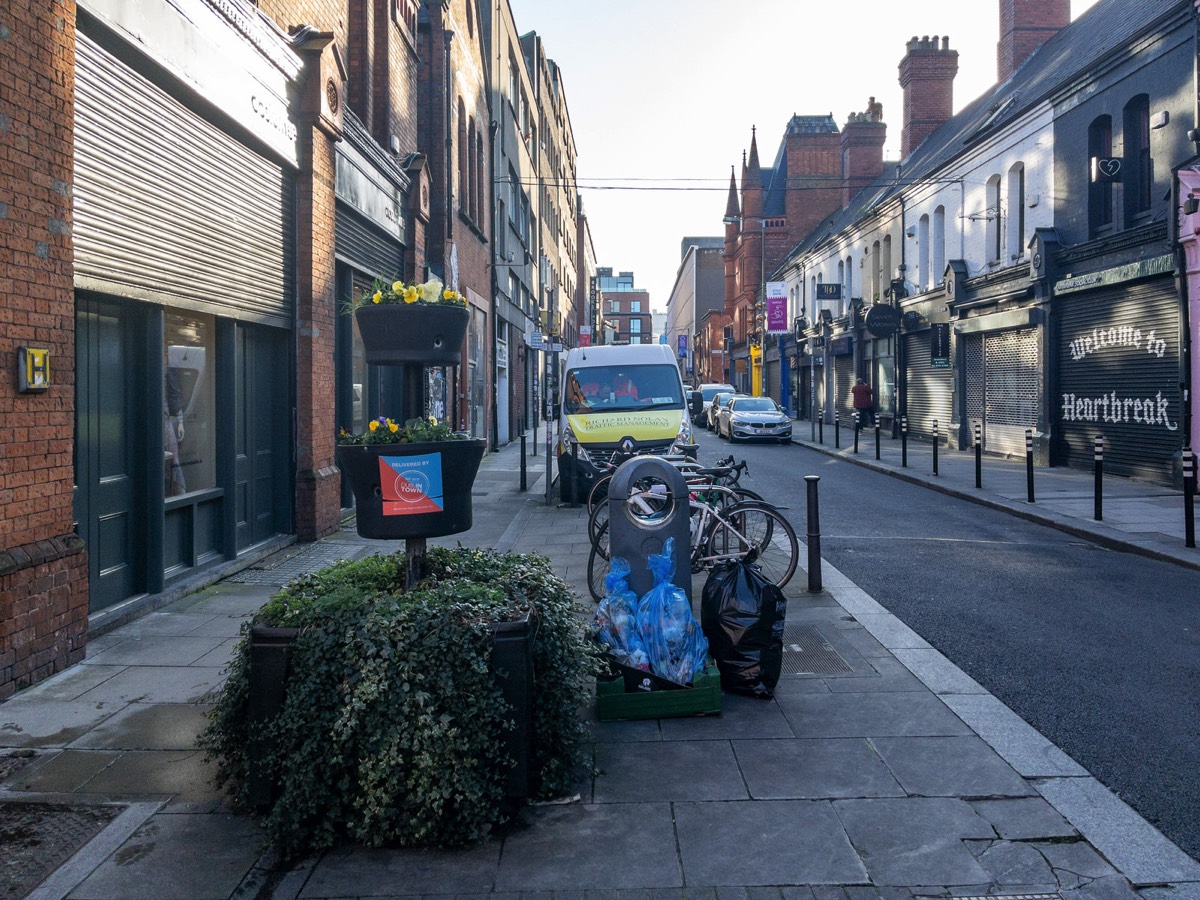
pixel 402 333
pixel 416 490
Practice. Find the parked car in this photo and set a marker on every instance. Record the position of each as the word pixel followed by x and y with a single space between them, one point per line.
pixel 710 415
pixel 699 399
pixel 752 418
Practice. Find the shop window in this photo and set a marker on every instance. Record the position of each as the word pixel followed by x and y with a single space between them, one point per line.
pixel 189 418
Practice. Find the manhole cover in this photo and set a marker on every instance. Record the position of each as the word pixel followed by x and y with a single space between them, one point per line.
pixel 806 652
pixel 37 838
pixel 280 568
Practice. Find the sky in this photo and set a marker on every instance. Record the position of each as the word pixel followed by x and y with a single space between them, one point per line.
pixel 662 96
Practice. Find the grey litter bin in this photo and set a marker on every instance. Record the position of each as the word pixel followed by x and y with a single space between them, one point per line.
pixel 636 531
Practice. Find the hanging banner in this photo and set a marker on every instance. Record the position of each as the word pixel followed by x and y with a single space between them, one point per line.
pixel 411 484
pixel 682 346
pixel 777 321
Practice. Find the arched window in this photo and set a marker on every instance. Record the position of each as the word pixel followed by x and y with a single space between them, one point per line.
pixel 875 271
pixel 924 277
pixel 848 286
pixel 1099 192
pixel 1138 175
pixel 886 270
pixel 938 271
pixel 470 187
pixel 1016 211
pixel 994 220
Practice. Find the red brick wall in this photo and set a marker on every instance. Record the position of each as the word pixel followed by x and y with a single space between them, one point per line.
pixel 814 184
pixel 43 568
pixel 927 77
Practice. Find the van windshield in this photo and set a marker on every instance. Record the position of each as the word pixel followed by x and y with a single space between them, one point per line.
pixel 622 388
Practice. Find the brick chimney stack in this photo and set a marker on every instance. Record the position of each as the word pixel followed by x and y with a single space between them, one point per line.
pixel 1024 26
pixel 863 138
pixel 927 77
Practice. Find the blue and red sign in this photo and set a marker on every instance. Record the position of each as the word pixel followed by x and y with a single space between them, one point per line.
pixel 411 484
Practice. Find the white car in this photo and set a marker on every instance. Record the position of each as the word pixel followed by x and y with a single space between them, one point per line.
pixel 753 418
pixel 714 405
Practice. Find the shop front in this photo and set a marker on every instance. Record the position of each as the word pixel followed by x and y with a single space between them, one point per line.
pixel 1119 370
pixel 184 285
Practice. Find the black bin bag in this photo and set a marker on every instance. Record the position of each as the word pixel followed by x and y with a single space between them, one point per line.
pixel 742 615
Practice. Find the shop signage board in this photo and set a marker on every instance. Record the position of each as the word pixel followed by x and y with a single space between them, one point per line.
pixel 777 322
pixel 939 345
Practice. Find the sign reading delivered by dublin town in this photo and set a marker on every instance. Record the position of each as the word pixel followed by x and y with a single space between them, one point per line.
pixel 411 484
pixel 939 345
pixel 777 321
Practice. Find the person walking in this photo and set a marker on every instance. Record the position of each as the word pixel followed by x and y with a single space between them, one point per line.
pixel 864 403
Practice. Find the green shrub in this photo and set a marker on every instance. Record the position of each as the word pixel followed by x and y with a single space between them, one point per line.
pixel 393 725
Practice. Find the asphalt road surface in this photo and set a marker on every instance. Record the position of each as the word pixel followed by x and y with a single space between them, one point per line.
pixel 1098 650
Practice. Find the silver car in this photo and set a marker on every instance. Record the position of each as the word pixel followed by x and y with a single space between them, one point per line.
pixel 715 405
pixel 753 418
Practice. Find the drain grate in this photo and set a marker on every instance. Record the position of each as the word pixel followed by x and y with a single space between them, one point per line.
pixel 806 652
pixel 37 838
pixel 280 568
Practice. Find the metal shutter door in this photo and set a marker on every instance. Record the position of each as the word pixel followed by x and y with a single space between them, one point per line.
pixel 1012 388
pixel 930 390
pixel 1118 375
pixel 170 209
pixel 843 373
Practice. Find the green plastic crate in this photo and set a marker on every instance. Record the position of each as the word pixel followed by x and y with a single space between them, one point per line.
pixel 703 698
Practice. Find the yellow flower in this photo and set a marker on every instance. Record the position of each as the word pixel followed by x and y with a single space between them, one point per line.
pixel 433 421
pixel 377 297
pixel 449 295
pixel 412 294
pixel 431 290
pixel 397 287
pixel 373 425
pixel 392 426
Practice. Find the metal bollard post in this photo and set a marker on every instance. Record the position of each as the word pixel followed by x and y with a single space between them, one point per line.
pixel 904 442
pixel 1098 514
pixel 524 478
pixel 814 534
pixel 574 474
pixel 877 439
pixel 856 431
pixel 837 432
pixel 549 473
pixel 821 427
pixel 1189 497
pixel 935 446
pixel 1029 463
pixel 978 454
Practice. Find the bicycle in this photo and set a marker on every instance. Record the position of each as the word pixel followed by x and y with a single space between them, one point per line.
pixel 749 531
pixel 680 455
pixel 726 474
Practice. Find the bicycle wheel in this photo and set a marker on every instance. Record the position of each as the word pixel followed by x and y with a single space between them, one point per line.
pixel 597 519
pixel 756 533
pixel 598 565
pixel 599 493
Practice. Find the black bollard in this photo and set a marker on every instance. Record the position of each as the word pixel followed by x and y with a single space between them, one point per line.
pixel 837 432
pixel 978 454
pixel 904 442
pixel 935 445
pixel 524 477
pixel 877 439
pixel 814 534
pixel 1098 513
pixel 821 428
pixel 1029 463
pixel 1189 497
pixel 856 431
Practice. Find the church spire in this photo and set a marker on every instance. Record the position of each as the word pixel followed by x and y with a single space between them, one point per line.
pixel 732 209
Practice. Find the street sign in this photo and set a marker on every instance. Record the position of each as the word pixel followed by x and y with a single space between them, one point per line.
pixel 536 342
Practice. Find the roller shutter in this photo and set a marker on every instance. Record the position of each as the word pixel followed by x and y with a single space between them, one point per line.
pixel 169 208
pixel 365 247
pixel 1118 375
pixel 930 390
pixel 843 373
pixel 1003 386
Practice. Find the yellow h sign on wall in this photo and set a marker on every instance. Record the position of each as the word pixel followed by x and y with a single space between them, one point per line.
pixel 33 369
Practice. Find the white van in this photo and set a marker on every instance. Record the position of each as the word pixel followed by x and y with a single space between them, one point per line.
pixel 616 398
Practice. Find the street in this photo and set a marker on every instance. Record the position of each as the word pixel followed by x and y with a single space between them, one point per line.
pixel 1097 650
